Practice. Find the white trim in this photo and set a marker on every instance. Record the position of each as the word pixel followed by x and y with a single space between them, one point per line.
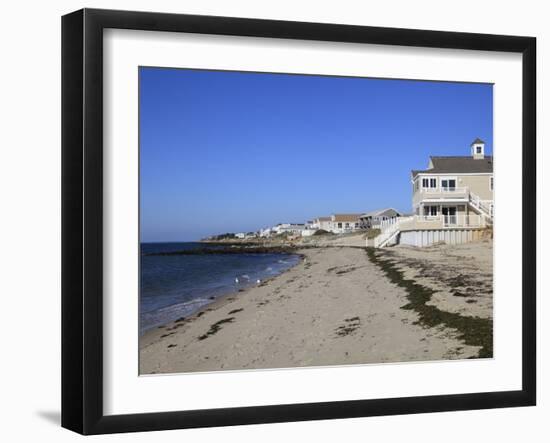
pixel 421 174
pixel 443 200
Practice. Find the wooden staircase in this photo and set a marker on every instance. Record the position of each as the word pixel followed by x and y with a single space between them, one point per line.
pixel 389 230
pixel 481 207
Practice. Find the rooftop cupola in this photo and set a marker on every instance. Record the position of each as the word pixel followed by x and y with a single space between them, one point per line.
pixel 478 149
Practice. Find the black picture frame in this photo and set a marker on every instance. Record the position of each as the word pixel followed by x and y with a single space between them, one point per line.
pixel 82 219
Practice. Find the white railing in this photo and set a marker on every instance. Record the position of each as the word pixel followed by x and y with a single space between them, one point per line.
pixel 481 205
pixel 384 225
pixel 450 221
pixel 388 229
pixel 441 194
pixel 391 227
pixel 427 218
pixel 463 220
pixel 444 189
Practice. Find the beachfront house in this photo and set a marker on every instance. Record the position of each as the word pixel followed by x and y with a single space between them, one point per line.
pixel 344 223
pixel 452 201
pixel 455 188
pixel 373 219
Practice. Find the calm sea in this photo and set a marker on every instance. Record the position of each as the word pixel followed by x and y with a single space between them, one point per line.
pixel 176 286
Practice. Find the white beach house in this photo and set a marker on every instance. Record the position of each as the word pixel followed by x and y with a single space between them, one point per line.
pixel 452 201
pixel 344 223
pixel 322 223
pixel 291 228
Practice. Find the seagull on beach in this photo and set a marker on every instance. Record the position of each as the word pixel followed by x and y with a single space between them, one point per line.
pixel 236 280
pixel 258 281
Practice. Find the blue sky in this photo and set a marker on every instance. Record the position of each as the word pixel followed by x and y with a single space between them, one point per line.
pixel 234 151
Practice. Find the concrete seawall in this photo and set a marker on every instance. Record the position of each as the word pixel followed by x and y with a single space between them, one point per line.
pixel 422 238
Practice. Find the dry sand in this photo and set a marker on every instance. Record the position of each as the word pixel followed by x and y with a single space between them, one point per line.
pixel 335 307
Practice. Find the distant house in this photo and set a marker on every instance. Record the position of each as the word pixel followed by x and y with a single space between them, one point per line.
pixel 373 219
pixel 240 235
pixel 292 228
pixel 323 223
pixel 343 223
pixel 309 229
pixel 266 232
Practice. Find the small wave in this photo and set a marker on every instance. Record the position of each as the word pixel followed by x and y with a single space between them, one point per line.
pixel 170 308
pixel 207 289
pixel 167 314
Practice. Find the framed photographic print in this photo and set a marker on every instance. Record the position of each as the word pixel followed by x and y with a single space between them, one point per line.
pixel 269 221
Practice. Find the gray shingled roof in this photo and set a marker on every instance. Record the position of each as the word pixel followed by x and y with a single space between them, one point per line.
pixel 458 165
pixel 379 212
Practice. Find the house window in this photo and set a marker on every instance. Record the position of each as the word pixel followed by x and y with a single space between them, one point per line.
pixel 340 225
pixel 430 211
pixel 429 183
pixel 491 183
pixel 347 225
pixel 448 184
pixel 478 149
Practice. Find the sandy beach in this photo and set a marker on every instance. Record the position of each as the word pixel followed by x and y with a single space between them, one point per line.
pixel 339 305
pixel 460 275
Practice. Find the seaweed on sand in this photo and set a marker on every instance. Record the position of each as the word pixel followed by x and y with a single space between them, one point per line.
pixel 474 331
pixel 349 327
pixel 214 328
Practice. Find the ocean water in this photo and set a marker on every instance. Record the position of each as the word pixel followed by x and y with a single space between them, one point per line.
pixel 174 286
